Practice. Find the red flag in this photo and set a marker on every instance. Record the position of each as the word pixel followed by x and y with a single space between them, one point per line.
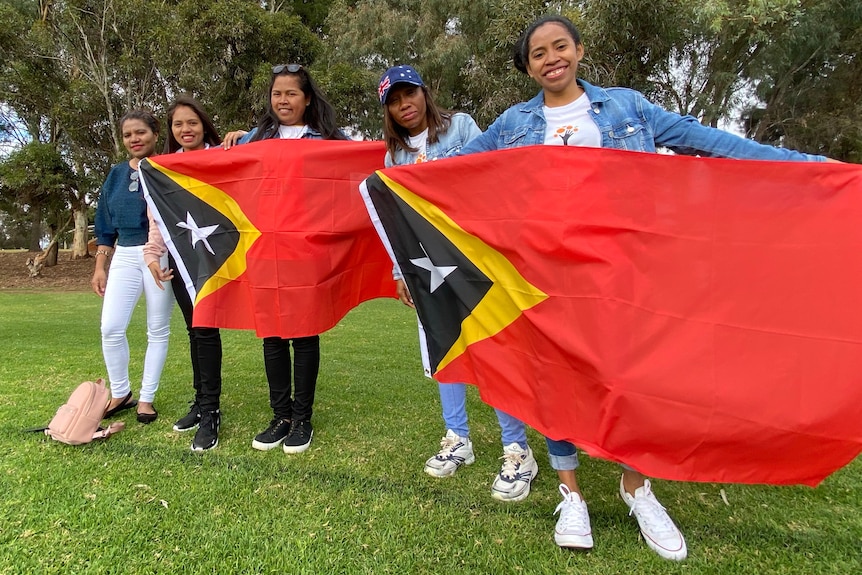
pixel 693 318
pixel 271 235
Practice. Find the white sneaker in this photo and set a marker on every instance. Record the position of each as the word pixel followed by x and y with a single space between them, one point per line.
pixel 657 528
pixel 455 451
pixel 573 526
pixel 518 470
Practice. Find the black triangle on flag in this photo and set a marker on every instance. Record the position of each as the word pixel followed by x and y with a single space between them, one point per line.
pixel 201 238
pixel 463 289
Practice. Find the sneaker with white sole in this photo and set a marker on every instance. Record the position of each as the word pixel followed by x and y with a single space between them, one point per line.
pixel 190 420
pixel 657 528
pixel 299 438
pixel 206 436
pixel 455 452
pixel 573 526
pixel 517 472
pixel 272 436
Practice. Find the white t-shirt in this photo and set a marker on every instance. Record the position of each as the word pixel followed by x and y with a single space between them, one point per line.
pixel 291 132
pixel 420 142
pixel 571 125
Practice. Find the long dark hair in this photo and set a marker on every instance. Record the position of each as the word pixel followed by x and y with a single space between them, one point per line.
pixel 521 51
pixel 395 135
pixel 319 114
pixel 211 136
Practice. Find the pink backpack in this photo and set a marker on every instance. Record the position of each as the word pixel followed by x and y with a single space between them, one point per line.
pixel 77 421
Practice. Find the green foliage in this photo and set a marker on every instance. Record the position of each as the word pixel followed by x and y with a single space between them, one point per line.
pixel 461 49
pixel 357 501
pixel 810 83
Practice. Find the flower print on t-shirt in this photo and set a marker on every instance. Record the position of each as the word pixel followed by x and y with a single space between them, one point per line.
pixel 565 132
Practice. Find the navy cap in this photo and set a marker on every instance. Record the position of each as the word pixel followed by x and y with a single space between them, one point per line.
pixel 397 75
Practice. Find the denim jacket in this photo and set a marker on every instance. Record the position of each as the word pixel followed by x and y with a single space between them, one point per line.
pixel 628 121
pixel 310 134
pixel 462 129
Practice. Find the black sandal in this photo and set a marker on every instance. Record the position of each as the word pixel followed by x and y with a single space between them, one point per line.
pixel 127 403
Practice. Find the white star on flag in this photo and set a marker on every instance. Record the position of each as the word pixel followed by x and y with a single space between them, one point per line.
pixel 438 273
pixel 198 234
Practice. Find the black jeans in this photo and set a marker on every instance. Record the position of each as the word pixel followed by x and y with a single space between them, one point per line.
pixel 306 364
pixel 204 348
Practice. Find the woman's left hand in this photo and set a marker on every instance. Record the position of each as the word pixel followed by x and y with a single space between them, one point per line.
pixel 161 275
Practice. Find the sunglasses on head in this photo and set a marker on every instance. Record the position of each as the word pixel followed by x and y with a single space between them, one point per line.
pixel 292 68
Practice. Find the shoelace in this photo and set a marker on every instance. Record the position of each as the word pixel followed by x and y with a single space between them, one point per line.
pixel 511 464
pixel 446 445
pixel 652 514
pixel 572 516
pixel 299 430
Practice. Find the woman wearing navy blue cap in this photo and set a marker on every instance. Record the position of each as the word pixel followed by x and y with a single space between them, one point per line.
pixel 416 130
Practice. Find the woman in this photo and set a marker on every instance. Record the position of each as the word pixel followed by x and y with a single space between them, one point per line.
pixel 191 129
pixel 549 51
pixel 297 109
pixel 121 232
pixel 416 130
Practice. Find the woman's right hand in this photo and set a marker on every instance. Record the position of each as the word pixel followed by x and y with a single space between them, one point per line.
pixel 99 281
pixel 231 139
pixel 404 293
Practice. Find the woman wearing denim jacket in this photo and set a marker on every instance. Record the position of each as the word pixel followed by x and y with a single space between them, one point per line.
pixel 297 109
pixel 416 130
pixel 569 111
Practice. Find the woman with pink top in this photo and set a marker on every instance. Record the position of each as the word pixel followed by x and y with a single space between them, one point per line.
pixel 191 129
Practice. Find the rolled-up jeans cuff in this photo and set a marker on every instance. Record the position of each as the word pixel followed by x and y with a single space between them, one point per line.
pixel 564 462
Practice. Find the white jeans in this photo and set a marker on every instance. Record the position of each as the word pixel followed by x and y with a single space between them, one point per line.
pixel 128 276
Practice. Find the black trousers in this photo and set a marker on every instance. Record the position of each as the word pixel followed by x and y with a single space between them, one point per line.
pixel 306 364
pixel 204 348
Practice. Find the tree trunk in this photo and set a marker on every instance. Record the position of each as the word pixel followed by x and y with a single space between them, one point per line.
pixel 35 228
pixel 79 239
pixel 51 254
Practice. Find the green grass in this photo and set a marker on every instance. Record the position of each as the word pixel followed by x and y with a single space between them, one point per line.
pixel 357 501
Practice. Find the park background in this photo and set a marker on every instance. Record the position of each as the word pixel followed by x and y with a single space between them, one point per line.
pixel 784 72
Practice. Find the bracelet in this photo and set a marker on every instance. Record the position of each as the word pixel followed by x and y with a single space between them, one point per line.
pixel 105 253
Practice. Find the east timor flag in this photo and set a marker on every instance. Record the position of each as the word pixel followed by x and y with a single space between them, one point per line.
pixel 271 236
pixel 694 318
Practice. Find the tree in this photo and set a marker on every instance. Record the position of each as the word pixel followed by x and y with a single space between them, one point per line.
pixel 34 178
pixel 461 49
pixel 809 83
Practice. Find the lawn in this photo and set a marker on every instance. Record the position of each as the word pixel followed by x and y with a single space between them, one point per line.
pixel 357 501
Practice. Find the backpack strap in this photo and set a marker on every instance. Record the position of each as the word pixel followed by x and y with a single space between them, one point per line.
pixel 105 433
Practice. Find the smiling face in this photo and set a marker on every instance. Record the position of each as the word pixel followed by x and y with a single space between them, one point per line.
pixel 552 61
pixel 138 138
pixel 288 101
pixel 407 107
pixel 187 129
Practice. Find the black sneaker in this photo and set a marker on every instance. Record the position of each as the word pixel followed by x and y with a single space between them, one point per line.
pixel 190 420
pixel 273 435
pixel 299 438
pixel 207 433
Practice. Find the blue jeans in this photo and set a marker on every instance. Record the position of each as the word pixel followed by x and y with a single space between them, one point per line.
pixel 564 455
pixel 453 398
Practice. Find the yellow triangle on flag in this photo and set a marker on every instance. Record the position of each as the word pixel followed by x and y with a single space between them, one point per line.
pixel 510 294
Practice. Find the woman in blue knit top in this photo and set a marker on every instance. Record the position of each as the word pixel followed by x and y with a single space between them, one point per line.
pixel 121 232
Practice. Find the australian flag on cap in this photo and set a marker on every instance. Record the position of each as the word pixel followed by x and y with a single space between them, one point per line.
pixel 397 75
